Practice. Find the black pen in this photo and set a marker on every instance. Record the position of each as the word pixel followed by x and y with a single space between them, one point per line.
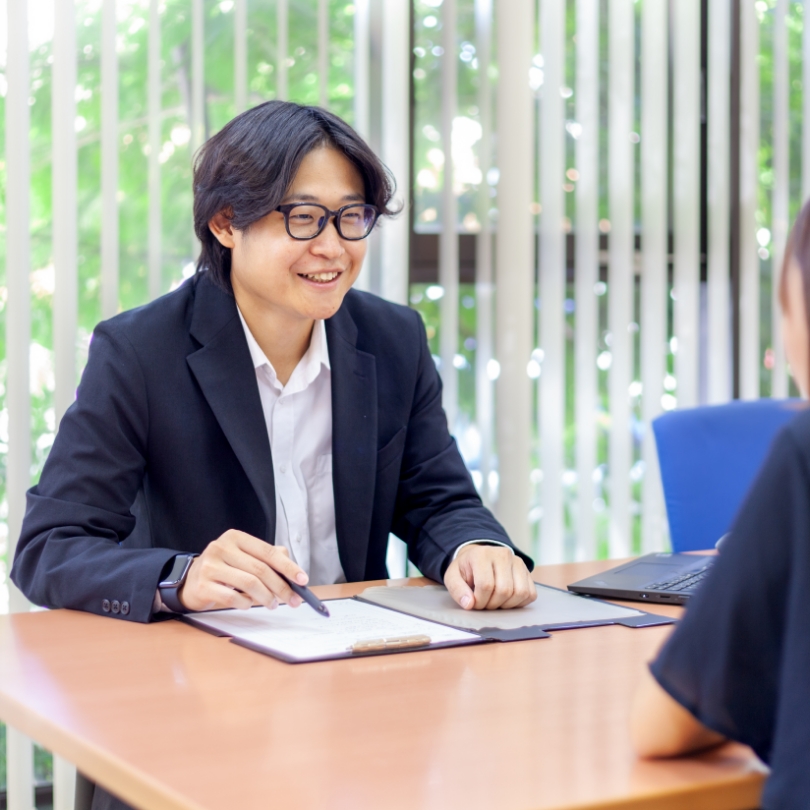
pixel 307 595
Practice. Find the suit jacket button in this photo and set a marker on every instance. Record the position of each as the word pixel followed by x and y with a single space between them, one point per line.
pixel 124 608
pixel 116 606
pixel 105 605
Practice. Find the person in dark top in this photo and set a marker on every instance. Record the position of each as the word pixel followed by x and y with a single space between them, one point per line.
pixel 738 665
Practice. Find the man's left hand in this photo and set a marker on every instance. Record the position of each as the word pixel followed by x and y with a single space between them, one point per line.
pixel 488 577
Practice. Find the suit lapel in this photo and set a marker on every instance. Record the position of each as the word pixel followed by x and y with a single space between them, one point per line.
pixel 354 441
pixel 225 373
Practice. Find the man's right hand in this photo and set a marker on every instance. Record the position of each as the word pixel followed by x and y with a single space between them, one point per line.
pixel 238 570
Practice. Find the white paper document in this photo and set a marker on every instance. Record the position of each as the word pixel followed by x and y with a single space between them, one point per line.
pixel 300 634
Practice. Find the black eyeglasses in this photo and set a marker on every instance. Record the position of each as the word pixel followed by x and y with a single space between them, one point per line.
pixel 306 220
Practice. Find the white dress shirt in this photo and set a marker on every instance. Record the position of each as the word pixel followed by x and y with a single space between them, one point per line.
pixel 298 416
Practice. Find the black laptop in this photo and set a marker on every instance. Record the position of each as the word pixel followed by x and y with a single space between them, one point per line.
pixel 662 577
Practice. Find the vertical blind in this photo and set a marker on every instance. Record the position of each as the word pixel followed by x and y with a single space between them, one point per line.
pixel 633 264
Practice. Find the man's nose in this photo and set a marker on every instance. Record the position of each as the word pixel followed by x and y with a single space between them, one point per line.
pixel 328 241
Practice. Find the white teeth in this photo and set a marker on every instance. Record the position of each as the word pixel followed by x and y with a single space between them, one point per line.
pixel 320 276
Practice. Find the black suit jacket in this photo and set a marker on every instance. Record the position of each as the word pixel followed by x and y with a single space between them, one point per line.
pixel 166 447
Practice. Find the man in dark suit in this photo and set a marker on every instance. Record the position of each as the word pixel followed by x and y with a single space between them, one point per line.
pixel 163 489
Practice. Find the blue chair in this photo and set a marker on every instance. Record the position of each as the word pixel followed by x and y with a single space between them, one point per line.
pixel 709 457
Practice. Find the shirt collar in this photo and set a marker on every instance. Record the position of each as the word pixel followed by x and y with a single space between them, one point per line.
pixel 316 355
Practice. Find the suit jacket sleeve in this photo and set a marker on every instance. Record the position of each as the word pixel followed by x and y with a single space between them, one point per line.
pixel 437 506
pixel 69 553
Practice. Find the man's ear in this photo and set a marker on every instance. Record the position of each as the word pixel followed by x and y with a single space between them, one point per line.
pixel 220 226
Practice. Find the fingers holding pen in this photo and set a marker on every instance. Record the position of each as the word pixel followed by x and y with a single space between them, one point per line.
pixel 213 583
pixel 239 570
pixel 259 568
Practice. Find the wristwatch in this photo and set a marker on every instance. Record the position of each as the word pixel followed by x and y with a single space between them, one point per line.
pixel 170 586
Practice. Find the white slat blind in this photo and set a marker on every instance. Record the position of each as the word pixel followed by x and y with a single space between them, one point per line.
pixel 109 161
pixel 64 784
pixel 686 196
pixel 154 96
pixel 323 53
pixel 394 237
pixel 19 750
pixel 448 239
pixel 65 227
pixel 586 261
pixel 197 74
pixel 65 307
pixel 18 269
pixel 514 262
pixel 240 56
pixel 362 94
pixel 621 182
pixel 19 769
pixel 749 184
pixel 551 275
pixel 282 34
pixel 654 283
pixel 362 35
pixel 197 112
pixel 718 193
pixel 806 109
pixel 484 399
pixel 781 189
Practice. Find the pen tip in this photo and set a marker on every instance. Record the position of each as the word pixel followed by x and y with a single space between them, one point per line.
pixel 325 611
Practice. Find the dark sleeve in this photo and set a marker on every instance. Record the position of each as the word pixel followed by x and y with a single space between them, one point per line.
pixel 437 506
pixel 69 552
pixel 724 662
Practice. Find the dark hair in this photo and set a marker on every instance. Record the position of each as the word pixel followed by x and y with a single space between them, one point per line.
pixel 798 250
pixel 247 167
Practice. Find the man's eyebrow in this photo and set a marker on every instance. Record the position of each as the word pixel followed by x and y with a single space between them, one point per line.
pixel 312 198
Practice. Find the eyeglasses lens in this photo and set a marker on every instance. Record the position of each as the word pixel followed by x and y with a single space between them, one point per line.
pixel 305 220
pixel 356 221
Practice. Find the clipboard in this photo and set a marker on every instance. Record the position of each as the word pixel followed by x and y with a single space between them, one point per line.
pixel 356 629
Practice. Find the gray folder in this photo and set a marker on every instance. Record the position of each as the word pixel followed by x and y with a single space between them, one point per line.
pixel 552 610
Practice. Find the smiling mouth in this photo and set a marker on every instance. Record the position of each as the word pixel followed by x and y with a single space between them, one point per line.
pixel 320 278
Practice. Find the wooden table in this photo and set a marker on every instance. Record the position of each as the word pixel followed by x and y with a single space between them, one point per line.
pixel 167 716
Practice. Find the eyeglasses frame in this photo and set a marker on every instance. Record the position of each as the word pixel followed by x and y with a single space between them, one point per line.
pixel 285 210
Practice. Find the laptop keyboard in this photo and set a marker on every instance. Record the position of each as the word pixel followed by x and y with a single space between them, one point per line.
pixel 684 583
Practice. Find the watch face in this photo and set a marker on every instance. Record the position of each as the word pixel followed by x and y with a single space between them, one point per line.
pixel 175 578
